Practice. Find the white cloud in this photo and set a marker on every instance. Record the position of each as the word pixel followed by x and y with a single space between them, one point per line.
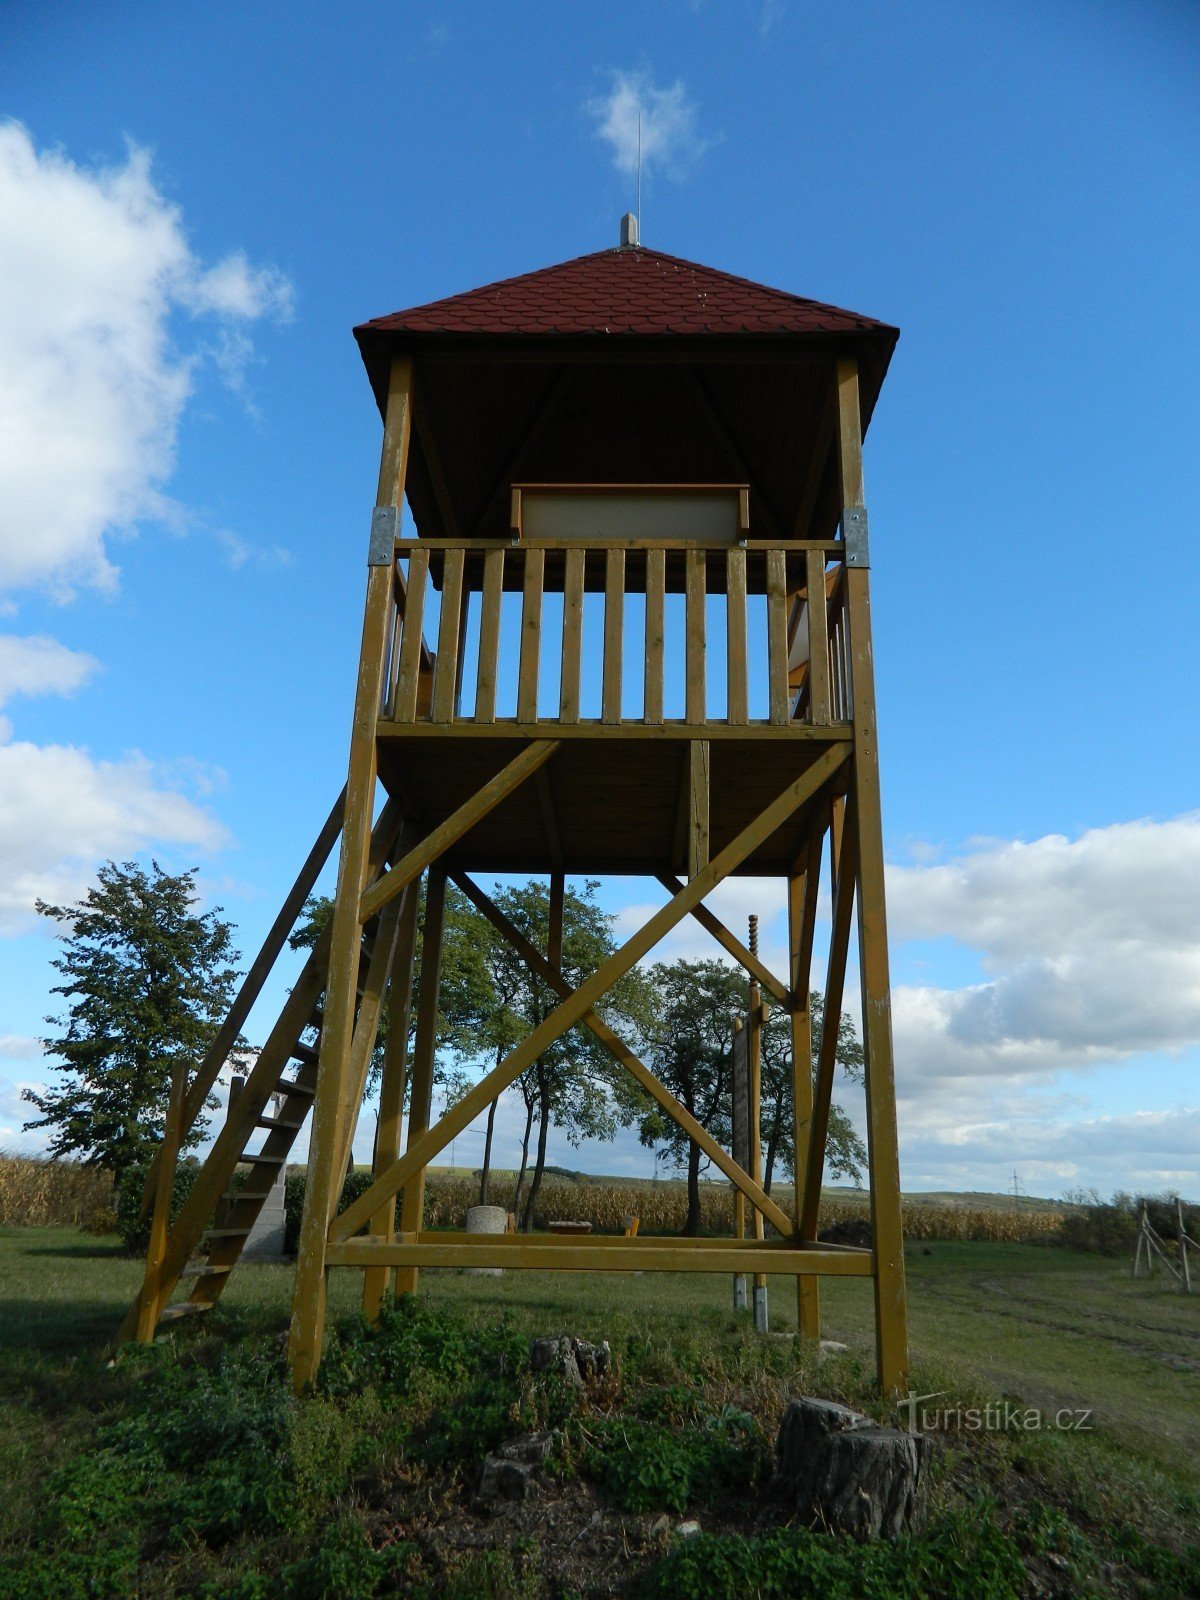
pixel 670 138
pixel 61 811
pixel 93 380
pixel 1091 948
pixel 39 665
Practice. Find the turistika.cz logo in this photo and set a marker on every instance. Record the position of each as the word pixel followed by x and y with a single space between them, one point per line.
pixel 994 1416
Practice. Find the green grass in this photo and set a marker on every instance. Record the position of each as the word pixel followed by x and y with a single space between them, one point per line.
pixel 987 1321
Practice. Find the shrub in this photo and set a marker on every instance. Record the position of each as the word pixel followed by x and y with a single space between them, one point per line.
pixel 358 1181
pixel 132 1224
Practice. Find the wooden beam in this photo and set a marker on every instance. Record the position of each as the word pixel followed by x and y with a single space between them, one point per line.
pixel 308 1299
pixel 831 1016
pixel 572 639
pixel 656 566
pixel 572 1010
pixel 392 1090
pixel 735 638
pixel 489 636
pixel 582 1255
pixel 412 1206
pixel 730 941
pixel 887 1232
pixel 545 796
pixel 551 975
pixel 803 891
pixel 448 833
pixel 698 806
pixel 443 706
pixel 695 599
pixel 614 635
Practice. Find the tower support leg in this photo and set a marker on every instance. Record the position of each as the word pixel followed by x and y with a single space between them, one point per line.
pixel 802 916
pixel 391 1092
pixel 412 1205
pixel 891 1339
pixel 324 1175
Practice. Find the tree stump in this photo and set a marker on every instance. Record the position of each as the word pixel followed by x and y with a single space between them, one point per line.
pixel 842 1472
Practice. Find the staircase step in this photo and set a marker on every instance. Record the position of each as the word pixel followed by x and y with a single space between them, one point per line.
pixel 306 1053
pixel 204 1272
pixel 288 1086
pixel 277 1122
pixel 227 1233
pixel 246 1194
pixel 185 1308
pixel 269 1161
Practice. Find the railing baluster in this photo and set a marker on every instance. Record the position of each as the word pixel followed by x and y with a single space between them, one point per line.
pixel 531 636
pixel 735 636
pixel 404 706
pixel 818 641
pixel 614 633
pixel 777 683
pixel 694 603
pixel 568 694
pixel 445 670
pixel 656 565
pixel 489 636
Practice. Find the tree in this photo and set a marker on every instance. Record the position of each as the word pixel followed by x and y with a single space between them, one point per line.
pixel 845 1155
pixel 575 1084
pixel 147 982
pixel 690 1049
pixel 689 1046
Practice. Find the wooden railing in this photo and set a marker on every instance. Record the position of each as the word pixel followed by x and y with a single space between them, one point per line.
pixel 683 634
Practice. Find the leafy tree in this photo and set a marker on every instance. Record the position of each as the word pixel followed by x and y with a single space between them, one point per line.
pixel 690 1049
pixel 845 1155
pixel 147 982
pixel 575 1085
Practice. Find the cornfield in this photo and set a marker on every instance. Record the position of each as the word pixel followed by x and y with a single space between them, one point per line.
pixel 35 1193
pixel 39 1193
pixel 662 1208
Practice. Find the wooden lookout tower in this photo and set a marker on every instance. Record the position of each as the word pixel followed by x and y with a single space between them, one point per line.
pixel 625 629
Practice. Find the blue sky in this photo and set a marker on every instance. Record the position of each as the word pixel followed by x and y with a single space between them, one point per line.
pixel 199 201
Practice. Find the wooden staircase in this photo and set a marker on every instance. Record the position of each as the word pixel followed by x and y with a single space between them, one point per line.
pixel 220 1211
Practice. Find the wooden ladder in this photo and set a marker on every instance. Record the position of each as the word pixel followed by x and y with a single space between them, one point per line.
pixel 217 1217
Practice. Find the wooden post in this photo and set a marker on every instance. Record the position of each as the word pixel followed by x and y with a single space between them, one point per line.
pixel 150 1307
pixel 802 917
pixel 754 1021
pixel 391 1092
pixel 412 1204
pixel 891 1337
pixel 308 1298
pixel 1182 1237
pixel 698 806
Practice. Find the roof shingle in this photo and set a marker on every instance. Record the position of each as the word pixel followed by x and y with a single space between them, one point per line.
pixel 629 290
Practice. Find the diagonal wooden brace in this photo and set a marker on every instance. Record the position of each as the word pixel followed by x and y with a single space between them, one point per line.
pixel 831 1016
pixel 613 1042
pixel 730 941
pixel 574 1009
pixel 448 833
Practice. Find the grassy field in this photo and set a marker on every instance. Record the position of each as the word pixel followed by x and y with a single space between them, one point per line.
pixel 988 1322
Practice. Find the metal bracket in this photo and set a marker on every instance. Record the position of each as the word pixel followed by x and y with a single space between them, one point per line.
pixel 385 530
pixel 854 533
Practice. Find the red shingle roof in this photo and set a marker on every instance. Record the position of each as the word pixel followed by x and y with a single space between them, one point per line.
pixel 627 291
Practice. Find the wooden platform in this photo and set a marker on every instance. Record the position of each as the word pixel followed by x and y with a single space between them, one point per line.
pixel 611 799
